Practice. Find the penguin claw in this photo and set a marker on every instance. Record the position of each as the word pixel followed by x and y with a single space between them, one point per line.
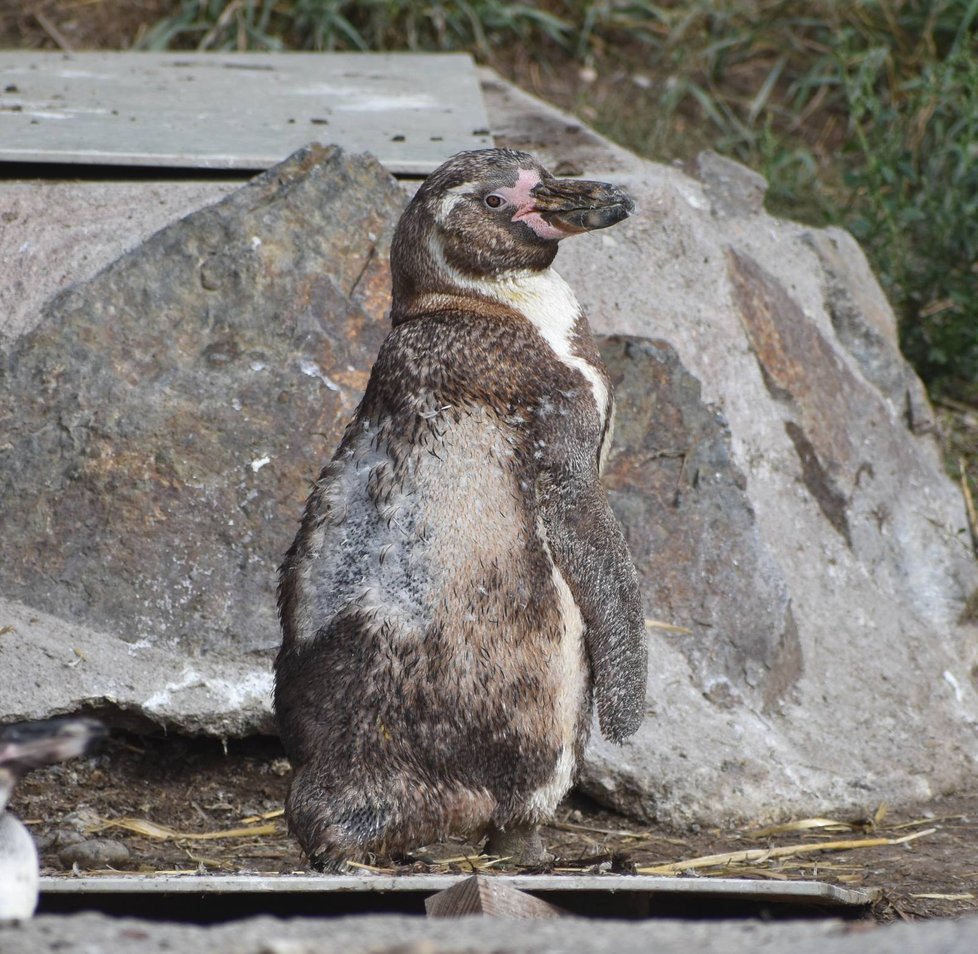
pixel 329 864
pixel 520 846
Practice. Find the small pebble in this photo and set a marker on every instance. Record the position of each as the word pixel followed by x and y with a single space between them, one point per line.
pixel 81 819
pixel 95 853
pixel 59 838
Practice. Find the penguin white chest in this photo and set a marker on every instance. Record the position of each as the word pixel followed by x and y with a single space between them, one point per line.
pixel 548 302
pixel 551 306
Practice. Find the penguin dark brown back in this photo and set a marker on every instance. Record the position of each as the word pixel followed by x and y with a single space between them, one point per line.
pixel 459 588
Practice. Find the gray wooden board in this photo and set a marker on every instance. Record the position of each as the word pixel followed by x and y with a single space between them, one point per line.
pixel 817 892
pixel 237 110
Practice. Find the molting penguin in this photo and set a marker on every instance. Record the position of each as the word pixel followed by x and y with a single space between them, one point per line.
pixel 25 746
pixel 459 589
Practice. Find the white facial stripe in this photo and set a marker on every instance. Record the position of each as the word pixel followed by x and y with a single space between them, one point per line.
pixel 452 197
pixel 452 274
pixel 447 203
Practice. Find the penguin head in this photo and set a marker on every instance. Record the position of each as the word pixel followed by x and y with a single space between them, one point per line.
pixel 28 745
pixel 486 214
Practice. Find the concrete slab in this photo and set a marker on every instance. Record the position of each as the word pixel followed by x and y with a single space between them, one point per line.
pixel 563 886
pixel 237 110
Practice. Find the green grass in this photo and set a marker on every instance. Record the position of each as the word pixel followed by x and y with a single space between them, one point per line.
pixel 915 181
pixel 862 114
pixel 478 25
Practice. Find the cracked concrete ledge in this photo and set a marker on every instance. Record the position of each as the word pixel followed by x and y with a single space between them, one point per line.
pixel 52 667
pixel 388 934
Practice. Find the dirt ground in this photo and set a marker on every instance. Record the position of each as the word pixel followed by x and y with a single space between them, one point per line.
pixel 221 812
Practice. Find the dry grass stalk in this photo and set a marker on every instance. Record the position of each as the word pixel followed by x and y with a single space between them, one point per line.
pixel 766 854
pixel 142 826
pixel 668 627
pixel 614 832
pixel 917 822
pixel 803 824
pixel 52 31
pixel 265 816
pixel 372 868
pixel 825 824
pixel 747 871
pixel 224 864
pixel 933 896
pixel 819 864
pixel 476 863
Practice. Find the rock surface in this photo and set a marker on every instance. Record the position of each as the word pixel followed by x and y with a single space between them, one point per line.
pixel 388 934
pixel 51 666
pixel 692 532
pixel 85 226
pixel 161 423
pixel 804 559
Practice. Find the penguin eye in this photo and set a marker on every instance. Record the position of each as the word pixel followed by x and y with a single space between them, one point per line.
pixel 494 200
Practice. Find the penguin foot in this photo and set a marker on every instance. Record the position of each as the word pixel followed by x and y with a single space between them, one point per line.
pixel 521 845
pixel 329 864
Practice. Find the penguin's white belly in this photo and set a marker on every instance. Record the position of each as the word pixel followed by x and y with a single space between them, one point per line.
pixel 18 870
pixel 571 675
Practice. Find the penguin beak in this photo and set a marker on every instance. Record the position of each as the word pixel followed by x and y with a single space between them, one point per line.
pixel 577 205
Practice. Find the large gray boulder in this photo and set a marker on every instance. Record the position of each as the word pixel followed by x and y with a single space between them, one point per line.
pixel 161 424
pixel 805 562
pixel 163 420
pixel 823 563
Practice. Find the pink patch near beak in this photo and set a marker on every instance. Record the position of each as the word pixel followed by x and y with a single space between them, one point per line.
pixel 526 210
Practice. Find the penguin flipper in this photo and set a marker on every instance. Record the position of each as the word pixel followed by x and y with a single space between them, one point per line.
pixel 589 549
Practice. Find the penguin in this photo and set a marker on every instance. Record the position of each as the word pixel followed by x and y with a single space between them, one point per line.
pixel 25 746
pixel 459 595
